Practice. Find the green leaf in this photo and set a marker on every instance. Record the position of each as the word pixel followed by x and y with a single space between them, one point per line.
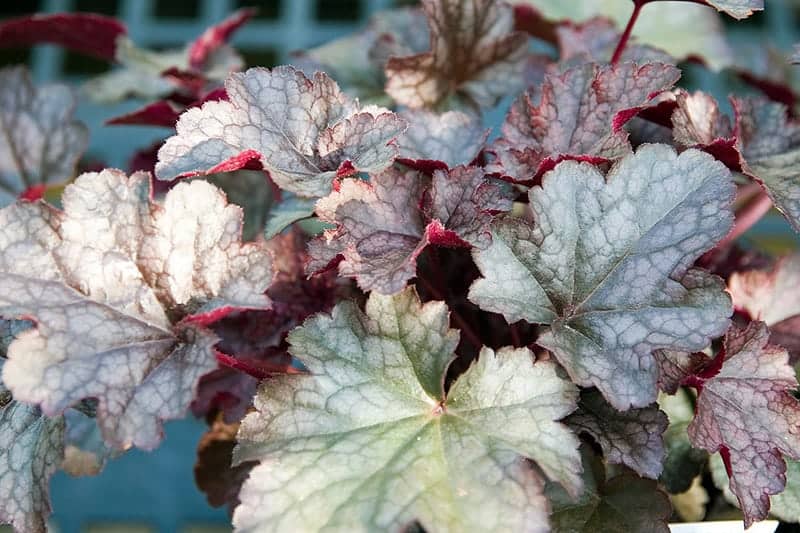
pixel 623 503
pixel 369 441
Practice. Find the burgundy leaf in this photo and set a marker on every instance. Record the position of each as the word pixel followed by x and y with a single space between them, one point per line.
pixel 159 113
pixel 256 338
pixel 580 115
pixel 164 112
pixel 86 33
pixel 216 36
pixel 746 411
pixel 213 472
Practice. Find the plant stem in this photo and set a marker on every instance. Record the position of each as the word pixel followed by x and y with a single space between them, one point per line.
pixel 747 216
pixel 623 40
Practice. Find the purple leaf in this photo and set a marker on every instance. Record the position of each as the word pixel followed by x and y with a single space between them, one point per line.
pixel 746 411
pixel 383 226
pixel 580 115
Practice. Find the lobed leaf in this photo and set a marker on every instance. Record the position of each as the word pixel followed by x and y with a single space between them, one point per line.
pixel 304 132
pixel 632 438
pixel 474 54
pixel 753 432
pixel 370 441
pixel 382 226
pixel 770 147
pixel 606 264
pixel 109 282
pixel 624 502
pixel 31 448
pixel 580 115
pixel 40 142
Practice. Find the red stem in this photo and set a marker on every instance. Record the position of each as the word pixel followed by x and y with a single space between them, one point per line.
pixel 623 40
pixel 750 213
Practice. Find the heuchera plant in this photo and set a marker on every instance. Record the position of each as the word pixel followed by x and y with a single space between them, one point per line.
pixel 413 318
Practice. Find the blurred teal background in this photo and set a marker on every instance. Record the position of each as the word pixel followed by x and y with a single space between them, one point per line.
pixel 155 492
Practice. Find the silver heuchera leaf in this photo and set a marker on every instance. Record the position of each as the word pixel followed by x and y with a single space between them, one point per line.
pixel 31 448
pixel 474 53
pixel 382 226
pixel 770 146
pixel 606 264
pixel 40 142
pixel 632 438
pixel 368 441
pixel 739 9
pixel 112 282
pixel 304 132
pixel 580 115
pixel 447 140
pixel 746 411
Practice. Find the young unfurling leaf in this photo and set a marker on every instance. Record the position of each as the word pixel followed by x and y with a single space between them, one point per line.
pixel 304 132
pixel 474 53
pixel 40 142
pixel 580 115
pixel 119 288
pixel 607 265
pixel 369 440
pixel 746 411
